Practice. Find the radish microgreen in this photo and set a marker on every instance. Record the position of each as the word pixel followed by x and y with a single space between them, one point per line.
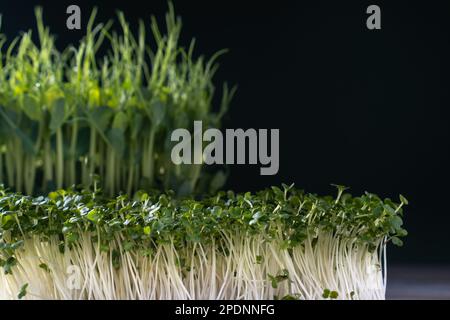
pixel 206 248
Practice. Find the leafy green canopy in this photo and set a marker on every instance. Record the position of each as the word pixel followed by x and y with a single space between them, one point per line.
pixel 288 216
pixel 67 116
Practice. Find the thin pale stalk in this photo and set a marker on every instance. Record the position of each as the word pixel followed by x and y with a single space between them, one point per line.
pixel 59 159
pixel 73 151
pixel 92 153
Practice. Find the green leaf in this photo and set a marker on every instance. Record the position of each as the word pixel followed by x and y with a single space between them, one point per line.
pixel 127 246
pixel 377 211
pixel 8 264
pixel 93 215
pixel 326 293
pixel 31 108
pixel 53 195
pixel 277 191
pixel 273 281
pixel 341 188
pixel 23 291
pixel 259 259
pixel 216 210
pixel 396 241
pixel 25 139
pixel 101 117
pixel 333 294
pixel 396 222
pixel 147 230
pixel 7 221
pixel 120 121
pixel 116 138
pixel 72 237
pixel 283 275
pixel 403 200
pixel 44 266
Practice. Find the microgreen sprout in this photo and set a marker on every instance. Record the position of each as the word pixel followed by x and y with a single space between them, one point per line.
pixel 329 294
pixel 23 291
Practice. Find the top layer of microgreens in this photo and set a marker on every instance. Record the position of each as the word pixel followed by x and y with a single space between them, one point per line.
pixel 67 116
pixel 287 215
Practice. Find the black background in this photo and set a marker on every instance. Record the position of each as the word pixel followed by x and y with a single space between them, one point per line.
pixel 166 308
pixel 368 109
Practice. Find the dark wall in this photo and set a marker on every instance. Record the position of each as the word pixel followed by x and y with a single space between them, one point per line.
pixel 368 109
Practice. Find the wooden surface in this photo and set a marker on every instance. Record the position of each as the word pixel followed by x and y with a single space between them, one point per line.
pixel 418 282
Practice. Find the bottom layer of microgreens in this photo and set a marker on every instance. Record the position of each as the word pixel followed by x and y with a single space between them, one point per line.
pixel 275 244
